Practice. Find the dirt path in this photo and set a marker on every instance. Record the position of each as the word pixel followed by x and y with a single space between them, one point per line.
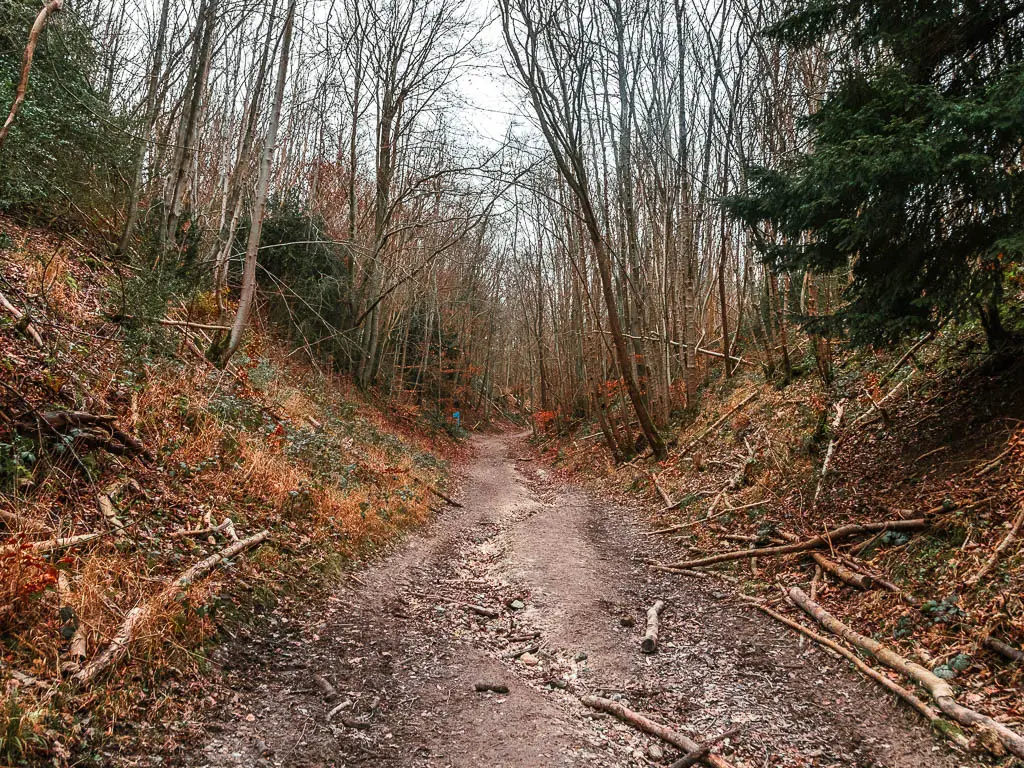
pixel 404 653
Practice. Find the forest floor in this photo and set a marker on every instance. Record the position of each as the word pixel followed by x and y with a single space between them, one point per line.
pixel 402 653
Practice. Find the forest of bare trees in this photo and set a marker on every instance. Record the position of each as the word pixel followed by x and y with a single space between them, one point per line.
pixel 267 265
pixel 590 245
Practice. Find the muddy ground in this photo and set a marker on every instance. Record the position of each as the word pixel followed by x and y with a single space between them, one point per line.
pixel 403 653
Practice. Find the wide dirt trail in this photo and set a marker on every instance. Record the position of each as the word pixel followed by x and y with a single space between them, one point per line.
pixel 403 652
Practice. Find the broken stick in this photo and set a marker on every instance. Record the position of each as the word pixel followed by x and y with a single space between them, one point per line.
pixel 718 422
pixel 649 643
pixel 1004 545
pixel 837 569
pixel 439 495
pixel 646 725
pixel 1004 649
pixel 840 407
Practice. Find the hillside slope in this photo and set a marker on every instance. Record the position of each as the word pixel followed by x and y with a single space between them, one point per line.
pixel 126 460
pixel 936 435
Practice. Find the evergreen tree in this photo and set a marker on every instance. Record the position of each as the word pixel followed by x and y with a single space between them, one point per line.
pixel 914 181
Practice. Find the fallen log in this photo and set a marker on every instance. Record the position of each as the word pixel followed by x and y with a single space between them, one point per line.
pixel 330 693
pixel 875 406
pixel 649 643
pixel 927 712
pixel 106 507
pixel 22 321
pixel 227 527
pixel 844 574
pixel 61 542
pixel 661 491
pixel 817 542
pixel 717 423
pixel 837 569
pixel 646 725
pixel 489 687
pixel 523 651
pixel 909 354
pixel 940 690
pixel 118 646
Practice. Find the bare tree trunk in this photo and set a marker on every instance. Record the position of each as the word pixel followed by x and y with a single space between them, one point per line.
pixel 201 54
pixel 256 229
pixel 152 89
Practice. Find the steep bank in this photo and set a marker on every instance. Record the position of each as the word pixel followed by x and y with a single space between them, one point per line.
pixel 126 459
pixel 934 435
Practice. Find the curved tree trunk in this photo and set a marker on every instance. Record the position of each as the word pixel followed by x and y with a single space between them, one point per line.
pixel 26 64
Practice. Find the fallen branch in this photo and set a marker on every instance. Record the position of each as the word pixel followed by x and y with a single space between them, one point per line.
pixel 439 495
pixel 22 321
pixel 661 491
pixel 227 527
pixel 844 574
pixel 995 463
pixel 909 354
pixel 329 692
pixel 169 322
pixel 717 423
pixel 919 706
pixel 487 613
pixel 488 687
pixel 940 690
pixel 817 542
pixel 522 651
pixel 889 394
pixel 649 643
pixel 118 646
pixel 106 506
pixel 694 757
pixel 1003 545
pixel 646 725
pixel 838 570
pixel 61 542
pixel 1004 649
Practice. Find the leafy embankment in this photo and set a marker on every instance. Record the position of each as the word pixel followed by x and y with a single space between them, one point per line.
pixel 936 435
pixel 122 434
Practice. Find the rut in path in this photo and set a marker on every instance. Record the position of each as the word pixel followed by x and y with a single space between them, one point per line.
pixel 403 654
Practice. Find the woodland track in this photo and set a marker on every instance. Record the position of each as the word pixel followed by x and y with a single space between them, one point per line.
pixel 403 653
